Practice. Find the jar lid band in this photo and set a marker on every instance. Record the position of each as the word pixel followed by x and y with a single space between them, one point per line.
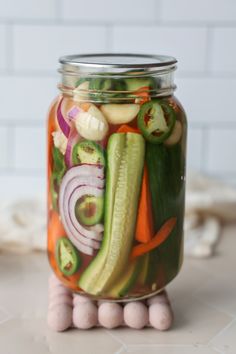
pixel 116 64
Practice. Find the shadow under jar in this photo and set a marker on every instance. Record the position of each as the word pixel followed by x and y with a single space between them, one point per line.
pixel 116 175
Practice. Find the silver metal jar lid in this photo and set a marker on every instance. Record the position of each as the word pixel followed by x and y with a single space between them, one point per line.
pixel 116 63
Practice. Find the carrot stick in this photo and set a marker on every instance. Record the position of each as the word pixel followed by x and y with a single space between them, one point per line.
pixel 55 229
pixel 127 129
pixel 144 225
pixel 51 128
pixel 156 241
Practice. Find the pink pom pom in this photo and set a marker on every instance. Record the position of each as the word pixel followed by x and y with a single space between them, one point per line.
pixel 110 315
pixel 53 280
pixel 80 299
pixel 136 315
pixel 160 298
pixel 160 316
pixel 60 318
pixel 60 300
pixel 59 291
pixel 85 315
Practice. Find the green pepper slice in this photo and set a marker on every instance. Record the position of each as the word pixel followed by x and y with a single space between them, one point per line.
pixel 101 84
pixel 67 257
pixel 156 120
pixel 58 171
pixel 88 151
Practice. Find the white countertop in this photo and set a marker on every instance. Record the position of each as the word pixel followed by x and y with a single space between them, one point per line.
pixel 203 297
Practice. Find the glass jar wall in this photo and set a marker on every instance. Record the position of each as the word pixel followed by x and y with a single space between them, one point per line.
pixel 116 176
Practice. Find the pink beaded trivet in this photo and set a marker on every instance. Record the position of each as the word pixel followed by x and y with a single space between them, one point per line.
pixel 67 310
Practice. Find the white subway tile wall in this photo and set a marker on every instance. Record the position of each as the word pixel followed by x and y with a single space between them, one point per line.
pixel 189 45
pixel 208 100
pixel 223 55
pixel 195 148
pixel 3 46
pixel 105 11
pixel 34 33
pixel 26 156
pixel 221 150
pixel 47 43
pixel 25 97
pixel 190 11
pixel 28 9
pixel 3 147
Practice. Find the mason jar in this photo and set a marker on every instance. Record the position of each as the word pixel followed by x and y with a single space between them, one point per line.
pixel 116 175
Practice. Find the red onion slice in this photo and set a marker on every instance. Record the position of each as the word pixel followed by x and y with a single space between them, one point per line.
pixel 73 112
pixel 87 170
pixel 76 195
pixel 64 126
pixel 78 244
pixel 95 189
pixel 72 140
pixel 99 228
pixel 79 181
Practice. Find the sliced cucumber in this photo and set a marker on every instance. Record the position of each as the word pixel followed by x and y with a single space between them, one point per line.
pixel 127 281
pixel 92 272
pixel 124 174
pixel 143 277
pixel 166 170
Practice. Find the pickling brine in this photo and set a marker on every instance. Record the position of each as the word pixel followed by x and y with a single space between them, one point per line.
pixel 116 176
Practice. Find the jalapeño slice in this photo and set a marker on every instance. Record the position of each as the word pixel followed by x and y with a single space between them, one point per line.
pixel 67 257
pixel 156 120
pixel 88 151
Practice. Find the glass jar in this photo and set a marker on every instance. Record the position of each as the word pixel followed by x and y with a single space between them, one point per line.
pixel 116 176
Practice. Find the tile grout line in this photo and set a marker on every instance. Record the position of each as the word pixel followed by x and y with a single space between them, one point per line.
pixel 127 23
pixel 213 307
pixel 121 350
pixel 116 338
pixel 223 330
pixel 217 350
pixel 177 345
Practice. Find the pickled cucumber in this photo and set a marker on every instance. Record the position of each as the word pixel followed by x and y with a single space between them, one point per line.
pixel 125 160
pixel 127 281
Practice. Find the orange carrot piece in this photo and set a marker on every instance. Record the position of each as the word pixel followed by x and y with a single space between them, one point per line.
pixel 127 129
pixel 51 128
pixel 55 229
pixel 85 106
pixel 144 225
pixel 156 241
pixel 143 93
